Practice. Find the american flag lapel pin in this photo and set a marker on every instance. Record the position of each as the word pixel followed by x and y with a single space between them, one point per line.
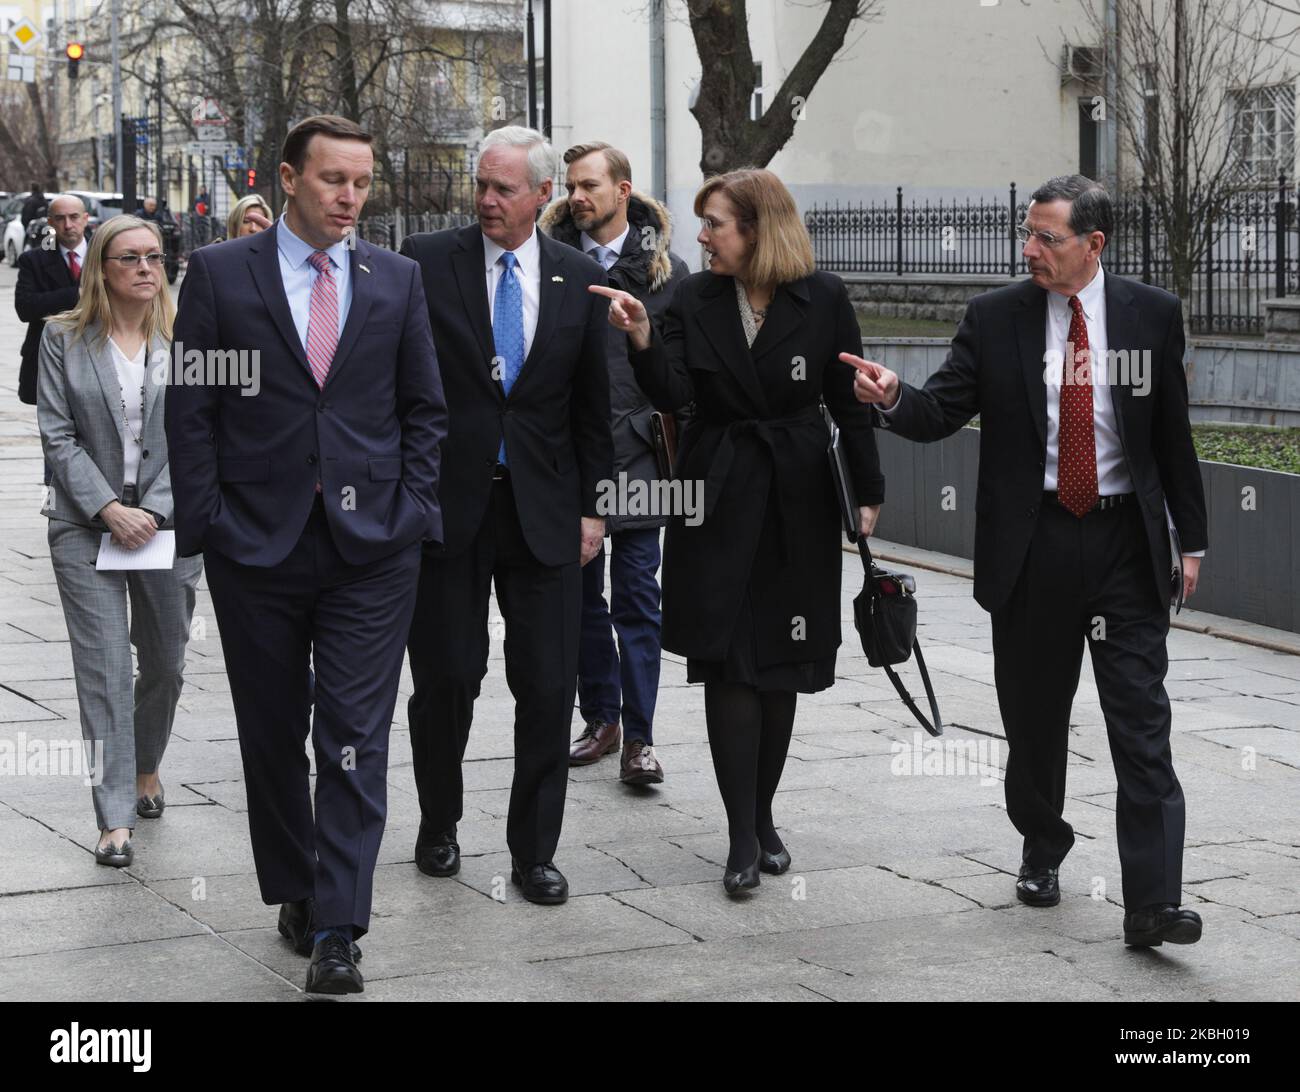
pixel 558 279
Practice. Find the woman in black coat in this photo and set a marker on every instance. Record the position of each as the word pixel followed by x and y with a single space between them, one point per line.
pixel 751 591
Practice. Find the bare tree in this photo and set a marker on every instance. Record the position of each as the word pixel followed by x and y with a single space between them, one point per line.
pixel 271 62
pixel 730 138
pixel 1181 67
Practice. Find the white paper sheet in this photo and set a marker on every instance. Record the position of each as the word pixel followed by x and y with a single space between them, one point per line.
pixel 158 553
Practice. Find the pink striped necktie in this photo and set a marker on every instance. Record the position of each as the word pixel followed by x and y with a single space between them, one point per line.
pixel 322 318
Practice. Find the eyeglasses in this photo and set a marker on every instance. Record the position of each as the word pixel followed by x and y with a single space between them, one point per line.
pixel 708 223
pixel 1049 240
pixel 133 260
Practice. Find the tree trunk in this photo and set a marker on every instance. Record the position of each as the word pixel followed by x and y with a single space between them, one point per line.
pixel 729 138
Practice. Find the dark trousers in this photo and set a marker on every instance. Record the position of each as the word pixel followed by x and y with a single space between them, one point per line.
pixel 622 680
pixel 1090 580
pixel 350 621
pixel 448 647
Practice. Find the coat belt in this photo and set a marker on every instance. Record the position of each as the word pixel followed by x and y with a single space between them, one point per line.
pixel 763 430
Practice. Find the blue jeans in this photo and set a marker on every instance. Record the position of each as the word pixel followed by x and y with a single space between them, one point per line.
pixel 623 679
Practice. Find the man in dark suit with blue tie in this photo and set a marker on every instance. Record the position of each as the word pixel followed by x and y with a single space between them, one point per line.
pixel 309 492
pixel 523 347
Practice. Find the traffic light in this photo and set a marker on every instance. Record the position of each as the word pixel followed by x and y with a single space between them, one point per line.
pixel 252 179
pixel 75 52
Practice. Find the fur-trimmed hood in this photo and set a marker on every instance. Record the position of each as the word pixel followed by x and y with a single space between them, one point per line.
pixel 652 266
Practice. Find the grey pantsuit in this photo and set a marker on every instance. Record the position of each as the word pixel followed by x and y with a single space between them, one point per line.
pixel 133 729
pixel 83 435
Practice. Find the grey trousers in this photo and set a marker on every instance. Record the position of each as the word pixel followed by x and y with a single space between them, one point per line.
pixel 133 728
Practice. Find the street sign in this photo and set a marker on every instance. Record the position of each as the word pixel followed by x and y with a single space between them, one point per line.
pixel 20 68
pixel 24 36
pixel 199 147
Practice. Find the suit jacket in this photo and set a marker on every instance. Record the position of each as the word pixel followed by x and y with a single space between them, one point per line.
pixel 79 411
pixel 995 369
pixel 651 274
pixel 556 418
pixel 757 441
pixel 45 287
pixel 245 466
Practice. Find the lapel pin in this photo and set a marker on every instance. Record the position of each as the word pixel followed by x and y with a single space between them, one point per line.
pixel 558 279
pixel 364 267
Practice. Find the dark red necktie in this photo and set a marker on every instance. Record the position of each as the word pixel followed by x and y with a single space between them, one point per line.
pixel 74 266
pixel 1076 466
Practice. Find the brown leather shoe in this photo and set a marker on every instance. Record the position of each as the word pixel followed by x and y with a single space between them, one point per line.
pixel 640 765
pixel 597 741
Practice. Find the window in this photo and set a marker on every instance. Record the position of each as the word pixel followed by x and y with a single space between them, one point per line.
pixel 1262 133
pixel 1089 136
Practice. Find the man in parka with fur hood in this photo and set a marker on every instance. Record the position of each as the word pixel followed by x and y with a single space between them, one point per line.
pixel 629 234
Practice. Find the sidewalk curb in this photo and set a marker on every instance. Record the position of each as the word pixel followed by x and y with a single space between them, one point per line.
pixel 1226 628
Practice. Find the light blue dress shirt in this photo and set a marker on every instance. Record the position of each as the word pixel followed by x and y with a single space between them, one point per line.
pixel 298 275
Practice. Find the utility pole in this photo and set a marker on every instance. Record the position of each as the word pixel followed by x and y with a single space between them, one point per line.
pixel 117 102
pixel 160 181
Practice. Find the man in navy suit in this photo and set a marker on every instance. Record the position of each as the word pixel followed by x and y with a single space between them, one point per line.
pixel 529 446
pixel 308 481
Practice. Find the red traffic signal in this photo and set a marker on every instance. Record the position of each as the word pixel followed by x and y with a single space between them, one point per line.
pixel 75 52
pixel 252 177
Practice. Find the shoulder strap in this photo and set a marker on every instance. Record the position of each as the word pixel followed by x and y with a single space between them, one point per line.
pixel 935 728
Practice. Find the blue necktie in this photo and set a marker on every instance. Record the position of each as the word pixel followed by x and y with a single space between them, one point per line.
pixel 508 329
pixel 602 254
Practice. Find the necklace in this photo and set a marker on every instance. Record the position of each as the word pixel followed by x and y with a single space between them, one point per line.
pixel 126 421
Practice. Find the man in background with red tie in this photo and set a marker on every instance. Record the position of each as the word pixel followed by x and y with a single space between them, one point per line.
pixel 1077 378
pixel 49 278
pixel 309 492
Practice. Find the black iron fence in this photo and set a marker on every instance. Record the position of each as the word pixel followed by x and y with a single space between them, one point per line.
pixel 1250 252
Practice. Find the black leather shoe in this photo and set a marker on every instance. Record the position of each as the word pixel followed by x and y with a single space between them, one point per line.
pixel 1038 886
pixel 333 967
pixel 541 883
pixel 1152 926
pixel 773 863
pixel 743 880
pixel 298 924
pixel 436 852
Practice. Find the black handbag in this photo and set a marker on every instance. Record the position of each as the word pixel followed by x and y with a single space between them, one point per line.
pixel 884 612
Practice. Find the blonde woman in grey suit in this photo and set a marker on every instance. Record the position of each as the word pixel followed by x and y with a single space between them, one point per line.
pixel 100 410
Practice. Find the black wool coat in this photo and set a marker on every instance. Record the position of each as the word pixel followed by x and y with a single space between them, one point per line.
pixel 757 439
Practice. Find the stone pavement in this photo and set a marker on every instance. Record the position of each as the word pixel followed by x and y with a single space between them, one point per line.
pixel 902 881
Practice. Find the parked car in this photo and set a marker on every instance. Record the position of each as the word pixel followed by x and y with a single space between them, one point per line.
pixel 14 234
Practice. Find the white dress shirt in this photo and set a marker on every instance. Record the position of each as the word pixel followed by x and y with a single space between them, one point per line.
pixel 130 376
pixel 1112 468
pixel 528 272
pixel 615 245
pixel 79 250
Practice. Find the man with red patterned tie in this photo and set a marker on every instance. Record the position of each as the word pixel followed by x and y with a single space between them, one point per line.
pixel 1077 377
pixel 49 278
